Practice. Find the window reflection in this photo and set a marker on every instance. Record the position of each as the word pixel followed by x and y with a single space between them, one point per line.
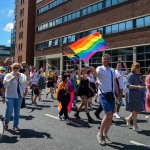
pixel 114 2
pixel 129 25
pixel 140 22
pixel 147 21
pixel 114 28
pixel 108 30
pixel 122 26
pixel 108 3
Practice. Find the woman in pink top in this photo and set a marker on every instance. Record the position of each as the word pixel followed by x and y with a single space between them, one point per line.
pixel 147 83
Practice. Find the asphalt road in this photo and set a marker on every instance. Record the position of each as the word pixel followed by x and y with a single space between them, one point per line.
pixel 41 130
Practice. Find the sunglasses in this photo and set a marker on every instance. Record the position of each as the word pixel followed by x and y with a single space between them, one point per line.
pixel 16 68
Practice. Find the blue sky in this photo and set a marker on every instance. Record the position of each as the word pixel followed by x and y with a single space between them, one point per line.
pixel 6 21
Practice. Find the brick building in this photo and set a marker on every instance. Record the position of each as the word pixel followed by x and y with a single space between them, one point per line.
pixel 24 27
pixel 124 24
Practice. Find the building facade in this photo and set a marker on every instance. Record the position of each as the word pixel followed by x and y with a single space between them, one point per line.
pixel 4 54
pixel 124 24
pixel 24 30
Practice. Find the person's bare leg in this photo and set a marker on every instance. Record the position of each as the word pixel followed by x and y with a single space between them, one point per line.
pixel 106 123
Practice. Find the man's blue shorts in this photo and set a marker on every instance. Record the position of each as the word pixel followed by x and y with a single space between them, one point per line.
pixel 107 106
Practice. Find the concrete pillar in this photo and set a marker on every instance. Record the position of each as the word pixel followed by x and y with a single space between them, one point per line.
pixel 134 54
pixel 47 65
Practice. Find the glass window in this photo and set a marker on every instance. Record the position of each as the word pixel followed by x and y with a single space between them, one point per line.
pixel 73 38
pixel 50 5
pixel 114 2
pixel 95 7
pixel 73 15
pixel 147 21
pixel 54 22
pixel 54 3
pixel 140 49
pixel 148 56
pixel 108 30
pixel 49 43
pixel 60 41
pixel 69 17
pixel 129 57
pixel 50 24
pixel 93 31
pixel 108 3
pixel 122 26
pixel 69 39
pixel 84 11
pixel 140 22
pixel 115 28
pixel 60 20
pixel 129 25
pixel 89 10
pixel 56 42
pixel 65 18
pixel 64 40
pixel 57 21
pixel 147 49
pixel 100 30
pixel 77 14
pixel 120 1
pixel 99 7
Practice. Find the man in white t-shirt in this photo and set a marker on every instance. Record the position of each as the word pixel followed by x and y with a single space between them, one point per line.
pixel 120 74
pixel 106 78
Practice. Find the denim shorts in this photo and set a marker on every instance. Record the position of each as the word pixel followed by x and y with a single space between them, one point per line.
pixel 107 106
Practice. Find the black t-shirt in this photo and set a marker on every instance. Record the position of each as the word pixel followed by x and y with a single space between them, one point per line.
pixel 22 70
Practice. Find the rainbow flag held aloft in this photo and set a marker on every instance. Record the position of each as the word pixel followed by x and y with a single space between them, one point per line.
pixel 86 47
pixel 72 57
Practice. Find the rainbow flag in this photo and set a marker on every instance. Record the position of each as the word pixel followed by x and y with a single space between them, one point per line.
pixel 72 57
pixel 86 47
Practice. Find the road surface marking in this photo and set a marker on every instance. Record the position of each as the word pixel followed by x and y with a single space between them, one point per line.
pixel 52 116
pixel 139 144
pixel 76 124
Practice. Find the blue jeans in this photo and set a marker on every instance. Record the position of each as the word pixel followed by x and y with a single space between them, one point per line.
pixel 107 106
pixel 13 103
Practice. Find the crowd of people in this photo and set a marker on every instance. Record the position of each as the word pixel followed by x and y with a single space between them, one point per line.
pixel 102 84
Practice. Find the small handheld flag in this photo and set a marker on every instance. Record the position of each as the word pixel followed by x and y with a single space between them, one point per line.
pixel 72 57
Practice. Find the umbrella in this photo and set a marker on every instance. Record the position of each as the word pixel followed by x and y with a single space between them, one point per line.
pixel 2 68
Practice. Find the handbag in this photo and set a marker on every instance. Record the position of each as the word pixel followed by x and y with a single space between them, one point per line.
pixel 109 95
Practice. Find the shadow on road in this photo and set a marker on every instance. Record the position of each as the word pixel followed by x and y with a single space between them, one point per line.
pixel 7 139
pixel 30 117
pixel 29 133
pixel 145 132
pixel 120 146
pixel 46 101
pixel 79 123
pixel 33 108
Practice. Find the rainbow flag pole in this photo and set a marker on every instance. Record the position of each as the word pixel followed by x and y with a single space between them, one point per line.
pixel 86 47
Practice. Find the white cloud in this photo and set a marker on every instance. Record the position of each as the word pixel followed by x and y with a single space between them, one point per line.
pixel 8 27
pixel 10 13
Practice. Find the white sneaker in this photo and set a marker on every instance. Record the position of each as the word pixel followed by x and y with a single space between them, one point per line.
pixel 59 117
pixel 137 129
pixel 101 139
pixel 116 115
